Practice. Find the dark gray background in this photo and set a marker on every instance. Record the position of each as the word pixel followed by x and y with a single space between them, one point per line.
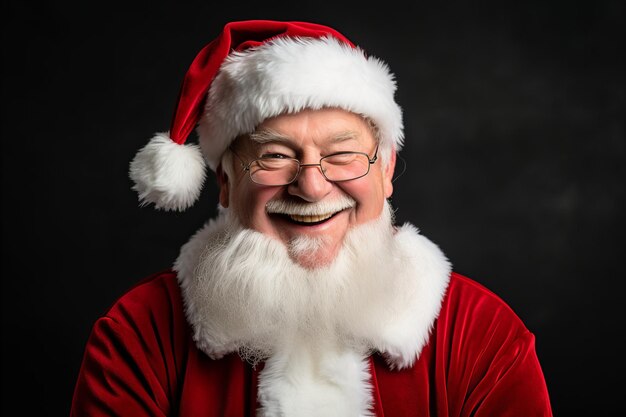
pixel 515 160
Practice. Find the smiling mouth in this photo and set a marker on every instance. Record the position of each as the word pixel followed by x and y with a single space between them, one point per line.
pixel 309 220
pixel 308 214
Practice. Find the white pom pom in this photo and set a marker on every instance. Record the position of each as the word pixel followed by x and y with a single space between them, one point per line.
pixel 168 174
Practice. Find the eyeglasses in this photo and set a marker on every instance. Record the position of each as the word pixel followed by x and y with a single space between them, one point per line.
pixel 338 167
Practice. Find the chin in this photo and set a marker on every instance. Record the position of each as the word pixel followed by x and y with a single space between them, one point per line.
pixel 313 252
pixel 315 260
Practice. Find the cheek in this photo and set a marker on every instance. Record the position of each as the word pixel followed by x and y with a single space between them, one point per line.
pixel 249 204
pixel 369 196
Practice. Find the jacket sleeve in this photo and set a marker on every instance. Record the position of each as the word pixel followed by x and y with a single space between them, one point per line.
pixel 489 357
pixel 513 386
pixel 116 378
pixel 132 358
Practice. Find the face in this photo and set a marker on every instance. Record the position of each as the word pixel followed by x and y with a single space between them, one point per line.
pixel 308 136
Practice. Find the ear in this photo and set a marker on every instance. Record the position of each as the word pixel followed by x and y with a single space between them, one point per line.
pixel 222 182
pixel 388 173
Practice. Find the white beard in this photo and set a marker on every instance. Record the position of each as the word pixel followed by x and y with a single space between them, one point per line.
pixel 314 327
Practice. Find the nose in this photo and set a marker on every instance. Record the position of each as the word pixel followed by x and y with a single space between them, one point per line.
pixel 310 185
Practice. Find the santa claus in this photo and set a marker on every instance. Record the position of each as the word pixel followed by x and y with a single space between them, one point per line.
pixel 303 297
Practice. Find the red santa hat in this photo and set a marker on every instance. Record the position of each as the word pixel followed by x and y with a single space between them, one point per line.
pixel 252 71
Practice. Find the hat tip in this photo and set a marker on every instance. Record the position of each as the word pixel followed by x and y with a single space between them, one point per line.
pixel 167 174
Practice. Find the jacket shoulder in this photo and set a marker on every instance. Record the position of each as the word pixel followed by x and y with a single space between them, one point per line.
pixel 156 295
pixel 466 297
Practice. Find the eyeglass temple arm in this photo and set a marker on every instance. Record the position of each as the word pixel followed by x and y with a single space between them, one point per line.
pixel 375 157
pixel 243 164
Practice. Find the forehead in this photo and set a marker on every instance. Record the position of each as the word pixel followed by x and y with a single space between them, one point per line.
pixel 313 127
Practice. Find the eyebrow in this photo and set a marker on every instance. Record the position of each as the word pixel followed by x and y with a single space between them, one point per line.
pixel 344 136
pixel 268 136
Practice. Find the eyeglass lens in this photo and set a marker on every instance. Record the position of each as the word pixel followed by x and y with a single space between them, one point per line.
pixel 339 167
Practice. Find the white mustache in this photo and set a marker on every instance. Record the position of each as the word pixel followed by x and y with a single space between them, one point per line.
pixel 319 208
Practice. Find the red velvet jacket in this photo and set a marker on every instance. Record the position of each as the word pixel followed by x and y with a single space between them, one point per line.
pixel 140 360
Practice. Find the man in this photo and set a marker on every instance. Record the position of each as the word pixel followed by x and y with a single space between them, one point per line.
pixel 302 298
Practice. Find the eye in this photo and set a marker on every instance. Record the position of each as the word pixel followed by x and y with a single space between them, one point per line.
pixel 274 156
pixel 342 158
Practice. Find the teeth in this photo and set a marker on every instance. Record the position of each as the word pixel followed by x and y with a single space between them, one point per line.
pixel 310 219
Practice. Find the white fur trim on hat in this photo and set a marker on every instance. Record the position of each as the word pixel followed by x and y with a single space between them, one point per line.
pixel 168 174
pixel 288 75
